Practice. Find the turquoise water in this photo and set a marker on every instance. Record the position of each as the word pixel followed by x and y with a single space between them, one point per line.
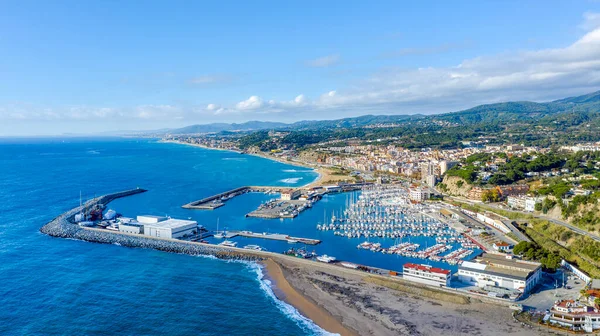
pixel 51 286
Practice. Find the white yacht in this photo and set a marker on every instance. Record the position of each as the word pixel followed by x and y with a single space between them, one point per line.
pixel 229 243
pixel 325 258
pixel 254 247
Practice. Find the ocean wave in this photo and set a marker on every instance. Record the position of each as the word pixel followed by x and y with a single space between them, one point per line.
pixel 291 180
pixel 206 256
pixel 94 152
pixel 296 171
pixel 289 311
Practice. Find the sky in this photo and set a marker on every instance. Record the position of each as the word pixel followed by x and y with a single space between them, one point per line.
pixel 102 66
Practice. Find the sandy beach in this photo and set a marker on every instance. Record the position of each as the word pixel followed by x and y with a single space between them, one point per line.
pixel 324 294
pixel 304 304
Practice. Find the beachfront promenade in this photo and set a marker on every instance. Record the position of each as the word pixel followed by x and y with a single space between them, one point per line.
pixel 64 226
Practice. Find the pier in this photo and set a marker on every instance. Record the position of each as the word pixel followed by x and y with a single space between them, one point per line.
pixel 273 236
pixel 218 200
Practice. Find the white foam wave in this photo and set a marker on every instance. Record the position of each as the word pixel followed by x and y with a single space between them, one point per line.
pixel 289 311
pixel 95 152
pixel 296 171
pixel 291 180
pixel 206 256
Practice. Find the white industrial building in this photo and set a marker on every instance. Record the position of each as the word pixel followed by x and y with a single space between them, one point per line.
pixel 500 271
pixel 426 274
pixel 164 227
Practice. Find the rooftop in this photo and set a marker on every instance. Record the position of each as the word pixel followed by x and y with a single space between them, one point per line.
pixel 426 268
pixel 172 223
pixel 499 265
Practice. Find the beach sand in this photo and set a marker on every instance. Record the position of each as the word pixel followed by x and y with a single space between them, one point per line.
pixel 323 293
pixel 303 304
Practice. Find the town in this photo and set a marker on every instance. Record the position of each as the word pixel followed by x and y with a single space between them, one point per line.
pixel 509 200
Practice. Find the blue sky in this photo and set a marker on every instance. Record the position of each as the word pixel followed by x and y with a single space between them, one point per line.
pixel 91 66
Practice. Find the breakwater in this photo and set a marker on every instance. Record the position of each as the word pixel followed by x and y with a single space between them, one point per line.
pixel 216 201
pixel 64 226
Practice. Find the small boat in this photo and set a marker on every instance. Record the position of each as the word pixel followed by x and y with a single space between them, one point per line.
pixel 349 265
pixel 229 243
pixel 325 258
pixel 219 235
pixel 292 241
pixel 254 247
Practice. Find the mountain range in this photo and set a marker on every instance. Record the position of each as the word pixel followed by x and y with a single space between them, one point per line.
pixel 585 106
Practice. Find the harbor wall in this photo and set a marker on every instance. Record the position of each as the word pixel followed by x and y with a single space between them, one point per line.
pixel 63 226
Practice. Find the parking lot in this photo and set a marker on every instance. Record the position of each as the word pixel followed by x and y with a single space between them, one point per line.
pixel 551 289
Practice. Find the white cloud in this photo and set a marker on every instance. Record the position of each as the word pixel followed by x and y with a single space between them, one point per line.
pixel 252 103
pixel 537 75
pixel 212 107
pixel 300 100
pixel 325 61
pixel 591 20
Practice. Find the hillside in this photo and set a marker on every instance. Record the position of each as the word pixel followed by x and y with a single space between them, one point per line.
pixel 525 120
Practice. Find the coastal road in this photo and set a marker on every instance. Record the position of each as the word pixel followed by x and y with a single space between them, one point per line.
pixel 555 221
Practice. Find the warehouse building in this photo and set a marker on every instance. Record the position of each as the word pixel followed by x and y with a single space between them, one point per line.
pixel 130 225
pixel 164 227
pixel 500 271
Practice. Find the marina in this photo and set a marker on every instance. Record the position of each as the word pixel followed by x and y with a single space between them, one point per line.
pixel 387 212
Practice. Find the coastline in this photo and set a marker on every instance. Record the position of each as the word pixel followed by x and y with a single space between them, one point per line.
pixel 340 301
pixel 336 299
pixel 318 170
pixel 286 292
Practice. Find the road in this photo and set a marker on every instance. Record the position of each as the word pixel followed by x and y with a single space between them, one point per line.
pixel 555 221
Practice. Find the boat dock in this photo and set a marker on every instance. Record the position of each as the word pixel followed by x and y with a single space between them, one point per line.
pixel 273 236
pixel 218 200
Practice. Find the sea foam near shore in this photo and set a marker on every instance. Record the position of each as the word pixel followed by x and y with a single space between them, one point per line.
pixel 291 180
pixel 267 287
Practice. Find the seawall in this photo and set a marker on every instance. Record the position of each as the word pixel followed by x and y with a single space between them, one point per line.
pixel 63 226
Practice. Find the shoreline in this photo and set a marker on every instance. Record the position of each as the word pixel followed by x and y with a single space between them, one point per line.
pixel 334 298
pixel 317 170
pixel 303 304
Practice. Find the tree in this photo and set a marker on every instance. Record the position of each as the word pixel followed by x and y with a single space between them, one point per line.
pixel 597 302
pixel 538 206
pixel 491 195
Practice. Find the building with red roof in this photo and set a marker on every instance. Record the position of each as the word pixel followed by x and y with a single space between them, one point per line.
pixel 427 274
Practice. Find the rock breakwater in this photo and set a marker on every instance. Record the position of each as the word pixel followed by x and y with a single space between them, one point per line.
pixel 64 226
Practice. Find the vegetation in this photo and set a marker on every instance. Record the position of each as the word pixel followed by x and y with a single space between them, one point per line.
pixel 532 251
pixel 492 195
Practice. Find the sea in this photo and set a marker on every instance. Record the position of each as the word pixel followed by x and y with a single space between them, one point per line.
pixel 52 286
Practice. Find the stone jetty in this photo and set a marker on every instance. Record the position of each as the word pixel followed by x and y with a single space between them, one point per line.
pixel 64 226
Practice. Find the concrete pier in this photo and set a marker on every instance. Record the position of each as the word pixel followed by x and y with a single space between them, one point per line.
pixel 273 236
pixel 218 200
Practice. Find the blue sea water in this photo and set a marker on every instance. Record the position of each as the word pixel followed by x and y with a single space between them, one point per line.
pixel 51 286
